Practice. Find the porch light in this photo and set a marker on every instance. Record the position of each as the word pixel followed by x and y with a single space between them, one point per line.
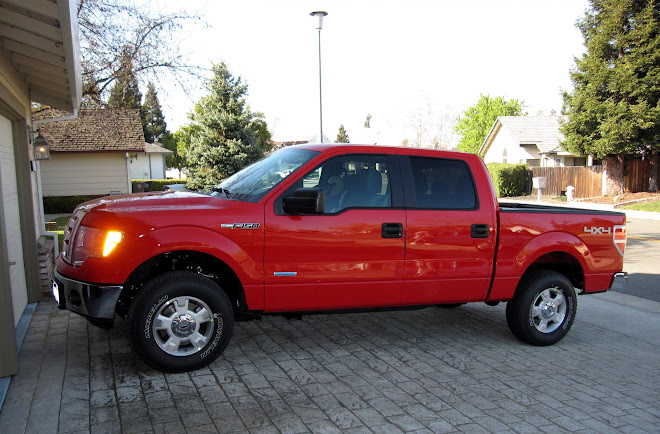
pixel 41 148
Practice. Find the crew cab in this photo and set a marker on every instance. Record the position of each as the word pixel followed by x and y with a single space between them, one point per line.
pixel 329 228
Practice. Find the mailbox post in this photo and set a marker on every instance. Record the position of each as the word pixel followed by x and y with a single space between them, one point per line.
pixel 539 183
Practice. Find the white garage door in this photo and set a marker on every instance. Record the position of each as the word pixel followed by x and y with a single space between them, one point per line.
pixel 12 223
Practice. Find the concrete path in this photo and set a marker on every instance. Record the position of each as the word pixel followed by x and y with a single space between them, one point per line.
pixel 432 370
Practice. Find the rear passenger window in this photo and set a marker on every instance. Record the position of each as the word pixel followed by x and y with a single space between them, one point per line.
pixel 443 183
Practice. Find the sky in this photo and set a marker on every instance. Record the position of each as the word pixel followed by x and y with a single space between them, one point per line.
pixel 413 65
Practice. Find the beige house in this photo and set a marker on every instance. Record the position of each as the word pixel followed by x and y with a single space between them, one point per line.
pixel 150 163
pixel 93 154
pixel 534 140
pixel 39 62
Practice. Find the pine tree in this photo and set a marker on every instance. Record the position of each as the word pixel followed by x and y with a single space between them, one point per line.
pixel 614 108
pixel 153 121
pixel 225 136
pixel 475 123
pixel 342 136
pixel 125 93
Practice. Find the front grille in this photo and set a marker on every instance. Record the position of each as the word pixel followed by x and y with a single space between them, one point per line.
pixel 69 234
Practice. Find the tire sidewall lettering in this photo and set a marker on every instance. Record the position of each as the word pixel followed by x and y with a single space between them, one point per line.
pixel 218 334
pixel 150 315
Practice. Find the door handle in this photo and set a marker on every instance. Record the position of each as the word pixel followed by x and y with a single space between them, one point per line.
pixel 480 231
pixel 392 230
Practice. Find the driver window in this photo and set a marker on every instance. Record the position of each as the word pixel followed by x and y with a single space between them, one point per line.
pixel 355 181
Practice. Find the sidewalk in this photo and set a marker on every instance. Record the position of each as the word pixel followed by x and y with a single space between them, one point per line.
pixel 431 370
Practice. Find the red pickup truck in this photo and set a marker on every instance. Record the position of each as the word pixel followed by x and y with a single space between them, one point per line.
pixel 321 228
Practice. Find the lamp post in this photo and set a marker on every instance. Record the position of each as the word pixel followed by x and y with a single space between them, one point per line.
pixel 320 15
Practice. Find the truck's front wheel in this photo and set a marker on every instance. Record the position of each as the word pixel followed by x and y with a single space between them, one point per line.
pixel 543 309
pixel 180 321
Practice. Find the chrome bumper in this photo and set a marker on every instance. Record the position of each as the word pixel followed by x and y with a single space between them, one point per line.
pixel 86 299
pixel 619 281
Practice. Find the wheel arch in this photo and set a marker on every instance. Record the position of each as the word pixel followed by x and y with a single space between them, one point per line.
pixel 202 263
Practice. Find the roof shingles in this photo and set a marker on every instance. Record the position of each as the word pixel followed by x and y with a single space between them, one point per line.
pixel 95 130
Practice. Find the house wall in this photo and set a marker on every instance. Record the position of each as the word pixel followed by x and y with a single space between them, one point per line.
pixel 147 166
pixel 84 173
pixel 514 152
pixel 18 223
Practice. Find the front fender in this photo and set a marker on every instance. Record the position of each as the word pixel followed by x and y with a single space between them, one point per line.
pixel 242 250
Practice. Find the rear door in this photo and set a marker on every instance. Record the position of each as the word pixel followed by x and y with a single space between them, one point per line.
pixel 349 257
pixel 451 233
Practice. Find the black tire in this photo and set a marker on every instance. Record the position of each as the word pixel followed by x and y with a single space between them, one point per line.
pixel 180 321
pixel 543 309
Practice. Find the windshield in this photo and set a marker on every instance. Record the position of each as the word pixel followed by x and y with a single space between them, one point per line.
pixel 253 182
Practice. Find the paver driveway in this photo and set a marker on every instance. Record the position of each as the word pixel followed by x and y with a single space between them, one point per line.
pixel 432 370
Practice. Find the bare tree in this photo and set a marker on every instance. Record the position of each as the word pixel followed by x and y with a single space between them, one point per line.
pixel 432 128
pixel 116 34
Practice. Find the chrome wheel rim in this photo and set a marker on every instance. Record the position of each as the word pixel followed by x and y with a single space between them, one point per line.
pixel 549 310
pixel 183 325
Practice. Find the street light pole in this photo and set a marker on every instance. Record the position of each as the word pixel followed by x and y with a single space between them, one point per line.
pixel 320 15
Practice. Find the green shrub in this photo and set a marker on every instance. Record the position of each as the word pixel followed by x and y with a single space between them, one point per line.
pixel 510 179
pixel 64 204
pixel 159 184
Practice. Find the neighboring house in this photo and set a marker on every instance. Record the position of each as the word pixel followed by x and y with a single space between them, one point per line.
pixel 535 140
pixel 150 163
pixel 39 62
pixel 92 155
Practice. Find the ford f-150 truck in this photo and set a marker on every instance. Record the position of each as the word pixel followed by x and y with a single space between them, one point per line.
pixel 326 228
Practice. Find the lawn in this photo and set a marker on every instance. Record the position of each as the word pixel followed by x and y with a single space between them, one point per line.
pixel 653 205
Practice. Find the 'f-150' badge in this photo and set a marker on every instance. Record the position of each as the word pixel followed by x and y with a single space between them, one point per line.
pixel 240 225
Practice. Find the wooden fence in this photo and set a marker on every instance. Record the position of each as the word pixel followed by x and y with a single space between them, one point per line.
pixel 636 177
pixel 587 181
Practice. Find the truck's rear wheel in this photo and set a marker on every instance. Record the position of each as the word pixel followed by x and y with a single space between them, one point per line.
pixel 180 321
pixel 543 309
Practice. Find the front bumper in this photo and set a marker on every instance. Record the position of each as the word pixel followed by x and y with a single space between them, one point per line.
pixel 619 281
pixel 92 301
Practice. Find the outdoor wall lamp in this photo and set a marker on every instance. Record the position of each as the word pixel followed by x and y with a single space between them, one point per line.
pixel 41 147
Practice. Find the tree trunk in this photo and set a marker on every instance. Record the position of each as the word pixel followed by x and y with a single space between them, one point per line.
pixel 613 173
pixel 653 171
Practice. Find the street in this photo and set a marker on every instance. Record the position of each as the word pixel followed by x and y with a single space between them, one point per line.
pixel 642 258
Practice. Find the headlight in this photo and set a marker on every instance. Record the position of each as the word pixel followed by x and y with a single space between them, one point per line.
pixel 93 243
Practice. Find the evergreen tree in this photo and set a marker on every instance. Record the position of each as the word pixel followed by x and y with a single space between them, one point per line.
pixel 475 123
pixel 153 122
pixel 125 93
pixel 225 136
pixel 342 136
pixel 614 108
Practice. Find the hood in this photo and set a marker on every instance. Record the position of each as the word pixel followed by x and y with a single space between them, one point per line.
pixel 156 201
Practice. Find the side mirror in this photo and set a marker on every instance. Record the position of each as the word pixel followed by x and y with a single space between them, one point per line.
pixel 304 201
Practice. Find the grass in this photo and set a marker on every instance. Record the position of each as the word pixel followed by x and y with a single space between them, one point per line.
pixel 61 224
pixel 653 205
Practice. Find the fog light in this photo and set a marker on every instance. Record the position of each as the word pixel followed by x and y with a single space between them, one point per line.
pixel 74 298
pixel 56 292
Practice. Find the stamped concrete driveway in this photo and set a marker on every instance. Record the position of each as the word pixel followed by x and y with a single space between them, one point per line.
pixel 432 370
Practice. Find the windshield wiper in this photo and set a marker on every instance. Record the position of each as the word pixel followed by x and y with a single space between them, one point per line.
pixel 222 190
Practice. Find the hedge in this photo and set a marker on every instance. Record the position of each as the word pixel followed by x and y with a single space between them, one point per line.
pixel 159 184
pixel 64 204
pixel 510 179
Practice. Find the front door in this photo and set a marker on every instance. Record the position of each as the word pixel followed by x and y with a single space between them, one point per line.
pixel 349 257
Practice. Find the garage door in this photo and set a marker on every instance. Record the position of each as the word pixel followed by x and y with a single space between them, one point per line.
pixel 12 224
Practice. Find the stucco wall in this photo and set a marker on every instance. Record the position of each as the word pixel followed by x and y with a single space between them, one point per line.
pixel 514 153
pixel 147 166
